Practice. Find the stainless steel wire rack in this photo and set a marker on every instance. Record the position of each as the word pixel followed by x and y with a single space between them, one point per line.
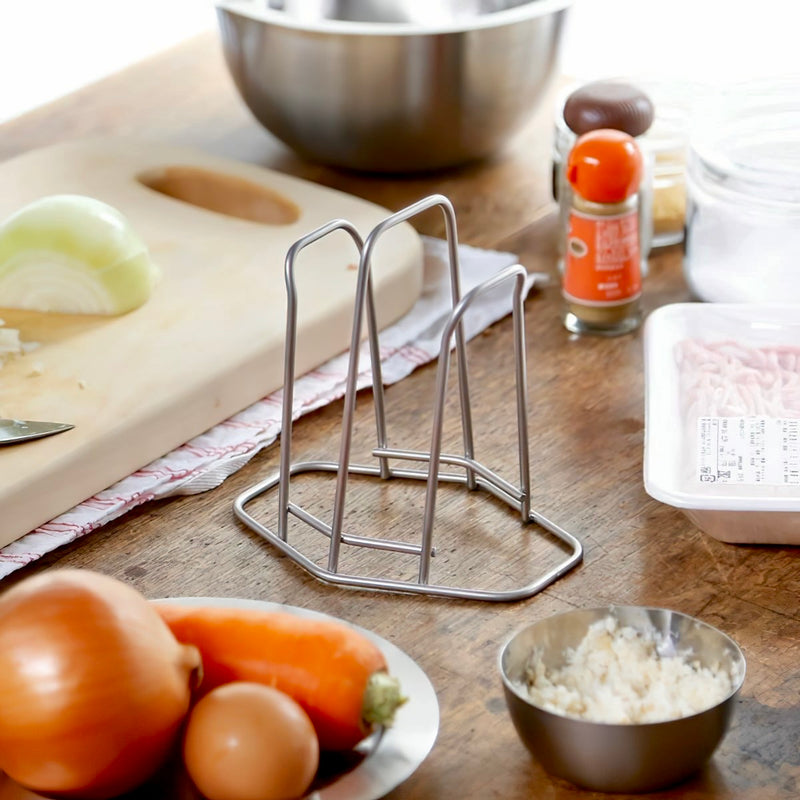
pixel 438 467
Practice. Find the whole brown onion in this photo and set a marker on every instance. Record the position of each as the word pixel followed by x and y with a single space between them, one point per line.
pixel 94 685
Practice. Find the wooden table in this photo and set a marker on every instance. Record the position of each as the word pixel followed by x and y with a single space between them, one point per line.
pixel 586 423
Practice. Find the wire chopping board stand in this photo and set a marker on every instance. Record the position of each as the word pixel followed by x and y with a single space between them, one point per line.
pixel 441 467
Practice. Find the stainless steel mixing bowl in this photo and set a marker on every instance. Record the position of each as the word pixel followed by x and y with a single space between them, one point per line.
pixel 435 84
pixel 615 757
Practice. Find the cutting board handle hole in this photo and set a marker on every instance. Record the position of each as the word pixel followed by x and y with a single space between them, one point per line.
pixel 224 194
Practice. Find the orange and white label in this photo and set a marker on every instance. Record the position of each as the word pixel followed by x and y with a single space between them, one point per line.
pixel 602 266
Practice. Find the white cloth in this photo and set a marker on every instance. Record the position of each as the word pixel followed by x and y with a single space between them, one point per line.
pixel 207 460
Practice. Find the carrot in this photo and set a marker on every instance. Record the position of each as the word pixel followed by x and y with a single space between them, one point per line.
pixel 334 672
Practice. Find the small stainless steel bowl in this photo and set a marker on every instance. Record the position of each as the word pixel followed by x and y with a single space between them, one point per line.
pixel 392 86
pixel 618 757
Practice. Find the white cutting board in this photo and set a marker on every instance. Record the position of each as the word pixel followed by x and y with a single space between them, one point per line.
pixel 208 342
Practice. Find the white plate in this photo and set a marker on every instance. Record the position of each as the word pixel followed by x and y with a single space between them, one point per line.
pixel 391 756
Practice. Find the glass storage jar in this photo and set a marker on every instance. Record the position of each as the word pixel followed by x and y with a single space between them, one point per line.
pixel 743 185
pixel 666 144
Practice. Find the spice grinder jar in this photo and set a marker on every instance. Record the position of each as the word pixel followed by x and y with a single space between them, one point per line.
pixel 743 197
pixel 602 279
pixel 664 141
pixel 603 104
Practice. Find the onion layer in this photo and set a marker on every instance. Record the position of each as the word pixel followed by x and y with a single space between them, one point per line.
pixel 94 686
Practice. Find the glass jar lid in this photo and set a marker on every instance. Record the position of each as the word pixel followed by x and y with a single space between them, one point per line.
pixel 747 149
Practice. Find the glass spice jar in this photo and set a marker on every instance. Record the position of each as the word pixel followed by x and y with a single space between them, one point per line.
pixel 601 283
pixel 665 146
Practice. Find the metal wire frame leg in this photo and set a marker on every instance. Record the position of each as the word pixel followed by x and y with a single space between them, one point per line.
pixel 475 476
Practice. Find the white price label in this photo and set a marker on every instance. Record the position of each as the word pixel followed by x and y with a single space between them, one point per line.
pixel 748 450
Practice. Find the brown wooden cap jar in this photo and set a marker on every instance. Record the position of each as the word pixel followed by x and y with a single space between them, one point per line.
pixel 609 104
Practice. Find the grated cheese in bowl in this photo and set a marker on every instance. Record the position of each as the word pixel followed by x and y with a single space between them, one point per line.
pixel 619 675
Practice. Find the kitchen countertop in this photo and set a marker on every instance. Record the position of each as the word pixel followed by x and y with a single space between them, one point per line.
pixel 586 425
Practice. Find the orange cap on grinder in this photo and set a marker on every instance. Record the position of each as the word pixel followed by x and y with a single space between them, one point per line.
pixel 605 166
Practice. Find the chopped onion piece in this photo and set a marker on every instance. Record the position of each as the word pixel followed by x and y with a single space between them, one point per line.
pixel 10 345
pixel 74 255
pixel 9 341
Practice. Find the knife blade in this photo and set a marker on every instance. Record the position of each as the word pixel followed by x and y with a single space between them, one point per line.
pixel 16 431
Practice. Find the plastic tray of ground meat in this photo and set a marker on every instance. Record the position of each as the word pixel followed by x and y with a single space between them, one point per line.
pixel 722 418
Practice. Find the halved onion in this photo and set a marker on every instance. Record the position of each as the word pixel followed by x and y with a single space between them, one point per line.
pixel 75 255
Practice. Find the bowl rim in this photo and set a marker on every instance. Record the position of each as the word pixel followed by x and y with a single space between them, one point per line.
pixel 520 694
pixel 258 11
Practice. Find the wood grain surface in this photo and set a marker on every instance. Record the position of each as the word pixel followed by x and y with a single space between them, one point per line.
pixel 586 424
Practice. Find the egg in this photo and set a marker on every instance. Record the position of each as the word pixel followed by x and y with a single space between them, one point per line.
pixel 246 741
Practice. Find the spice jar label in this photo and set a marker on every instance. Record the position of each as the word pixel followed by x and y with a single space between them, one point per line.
pixel 602 263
